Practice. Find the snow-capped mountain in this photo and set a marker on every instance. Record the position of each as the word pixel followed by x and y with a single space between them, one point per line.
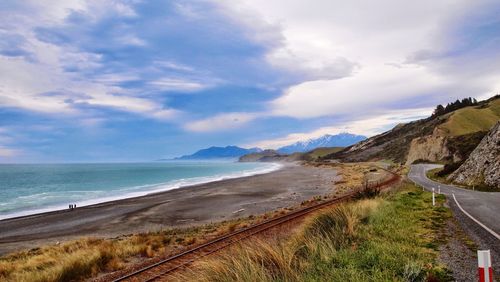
pixel 338 140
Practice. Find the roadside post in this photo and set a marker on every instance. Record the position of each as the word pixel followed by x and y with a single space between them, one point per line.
pixel 439 189
pixel 433 197
pixel 484 266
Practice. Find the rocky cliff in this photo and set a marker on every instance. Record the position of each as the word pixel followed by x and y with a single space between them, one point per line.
pixel 483 164
pixel 429 148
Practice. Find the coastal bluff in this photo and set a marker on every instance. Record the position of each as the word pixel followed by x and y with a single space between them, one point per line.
pixel 483 164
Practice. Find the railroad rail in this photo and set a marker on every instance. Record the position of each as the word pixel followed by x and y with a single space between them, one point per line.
pixel 161 269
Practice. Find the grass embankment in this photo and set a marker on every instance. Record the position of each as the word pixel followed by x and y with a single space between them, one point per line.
pixel 389 238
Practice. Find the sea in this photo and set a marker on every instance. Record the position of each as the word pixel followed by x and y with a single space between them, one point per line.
pixel 27 189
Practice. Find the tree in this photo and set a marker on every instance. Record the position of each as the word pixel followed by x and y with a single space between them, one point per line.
pixel 453 106
pixel 438 111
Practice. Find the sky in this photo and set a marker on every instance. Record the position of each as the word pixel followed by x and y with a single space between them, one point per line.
pixel 111 81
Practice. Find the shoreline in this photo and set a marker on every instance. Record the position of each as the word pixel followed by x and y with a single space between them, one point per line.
pixel 191 206
pixel 94 202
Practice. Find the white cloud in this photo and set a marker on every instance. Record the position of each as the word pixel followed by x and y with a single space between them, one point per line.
pixel 368 53
pixel 131 40
pixel 172 84
pixel 221 122
pixel 367 126
pixel 371 88
pixel 173 65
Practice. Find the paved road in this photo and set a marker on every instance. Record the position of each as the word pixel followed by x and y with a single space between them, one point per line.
pixel 484 206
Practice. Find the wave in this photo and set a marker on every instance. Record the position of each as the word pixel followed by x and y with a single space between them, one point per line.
pixel 137 191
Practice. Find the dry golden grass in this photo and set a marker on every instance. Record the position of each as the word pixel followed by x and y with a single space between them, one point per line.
pixel 88 257
pixel 352 175
pixel 278 260
pixel 247 266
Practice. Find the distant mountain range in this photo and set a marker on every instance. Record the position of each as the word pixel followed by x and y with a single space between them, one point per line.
pixel 338 140
pixel 228 152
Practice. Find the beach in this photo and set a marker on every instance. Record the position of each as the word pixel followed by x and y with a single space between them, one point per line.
pixel 187 206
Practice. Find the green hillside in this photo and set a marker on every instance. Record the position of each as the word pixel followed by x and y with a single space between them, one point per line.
pixel 322 152
pixel 472 119
pixel 462 128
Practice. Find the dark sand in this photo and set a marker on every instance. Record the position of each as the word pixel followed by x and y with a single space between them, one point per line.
pixel 188 206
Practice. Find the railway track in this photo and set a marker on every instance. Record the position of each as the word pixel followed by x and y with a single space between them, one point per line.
pixel 161 270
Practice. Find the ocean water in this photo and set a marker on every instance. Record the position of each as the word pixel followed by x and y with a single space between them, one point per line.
pixel 33 188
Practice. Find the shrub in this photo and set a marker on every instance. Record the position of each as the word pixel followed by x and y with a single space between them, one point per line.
pixel 367 192
pixel 449 168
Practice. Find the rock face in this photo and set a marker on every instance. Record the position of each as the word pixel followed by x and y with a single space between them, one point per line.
pixel 430 148
pixel 483 164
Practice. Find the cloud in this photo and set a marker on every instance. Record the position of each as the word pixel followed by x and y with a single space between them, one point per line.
pixel 221 122
pixel 367 126
pixel 274 68
pixel 171 84
pixel 49 66
pixel 361 55
pixel 370 89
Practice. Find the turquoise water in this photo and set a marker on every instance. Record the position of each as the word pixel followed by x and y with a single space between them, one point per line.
pixel 33 188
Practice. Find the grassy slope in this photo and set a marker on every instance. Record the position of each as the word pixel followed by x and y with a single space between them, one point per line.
pixel 321 152
pixel 472 119
pixel 385 239
pixel 270 155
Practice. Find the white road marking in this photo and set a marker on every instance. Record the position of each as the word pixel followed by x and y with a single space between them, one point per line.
pixel 477 221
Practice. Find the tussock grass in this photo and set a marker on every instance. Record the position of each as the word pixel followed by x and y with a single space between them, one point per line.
pixel 88 257
pixel 258 261
pixel 390 238
pixel 78 259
